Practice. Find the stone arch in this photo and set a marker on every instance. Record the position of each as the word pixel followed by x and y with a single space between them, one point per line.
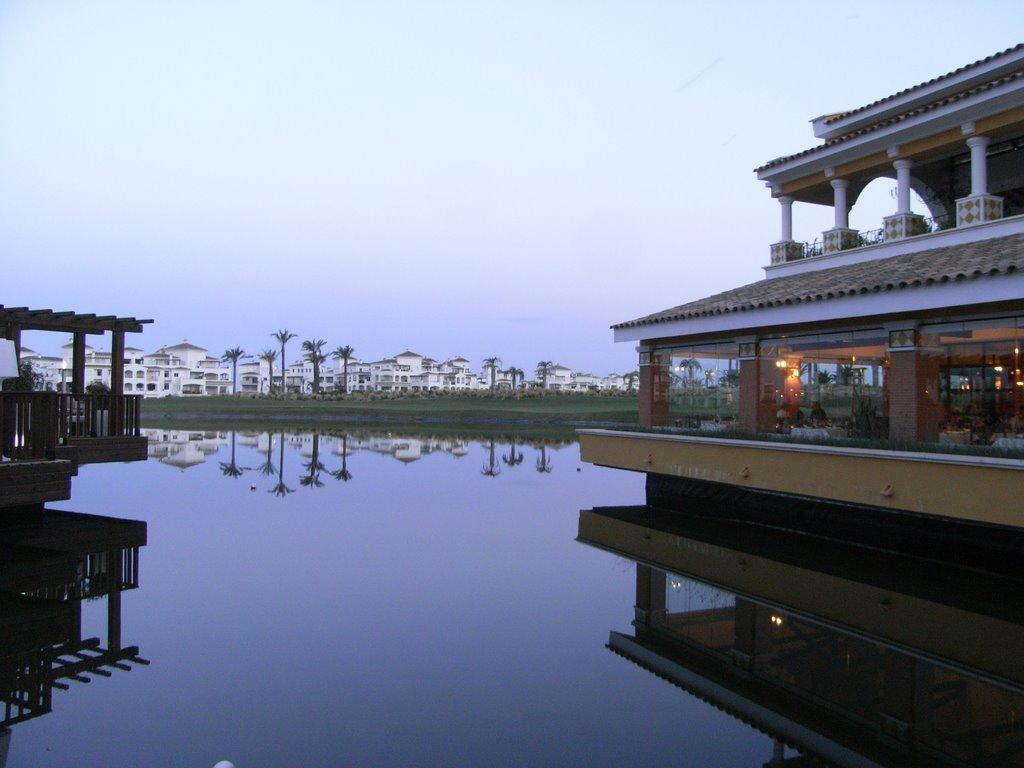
pixel 935 206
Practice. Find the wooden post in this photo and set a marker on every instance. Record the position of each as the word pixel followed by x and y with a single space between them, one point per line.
pixel 116 412
pixel 115 575
pixel 78 363
pixel 117 363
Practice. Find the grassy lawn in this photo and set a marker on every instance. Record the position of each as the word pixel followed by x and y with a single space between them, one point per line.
pixel 560 409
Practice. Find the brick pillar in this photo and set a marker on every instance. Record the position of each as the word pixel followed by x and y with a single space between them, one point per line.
pixel 750 395
pixel 650 595
pixel 653 394
pixel 913 396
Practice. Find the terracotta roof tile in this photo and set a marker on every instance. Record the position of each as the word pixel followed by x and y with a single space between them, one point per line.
pixel 952 98
pixel 841 115
pixel 998 256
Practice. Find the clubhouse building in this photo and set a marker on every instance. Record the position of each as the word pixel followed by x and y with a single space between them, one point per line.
pixel 906 335
pixel 919 323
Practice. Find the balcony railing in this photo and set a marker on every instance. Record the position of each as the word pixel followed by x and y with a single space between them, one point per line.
pixel 34 424
pixel 876 236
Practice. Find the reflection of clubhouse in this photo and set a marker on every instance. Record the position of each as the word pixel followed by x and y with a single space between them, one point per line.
pixel 859 658
pixel 49 563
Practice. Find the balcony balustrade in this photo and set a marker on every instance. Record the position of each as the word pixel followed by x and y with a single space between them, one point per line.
pixel 36 424
pixel 876 236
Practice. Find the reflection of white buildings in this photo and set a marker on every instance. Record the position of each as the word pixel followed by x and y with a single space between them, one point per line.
pixel 405 449
pixel 183 448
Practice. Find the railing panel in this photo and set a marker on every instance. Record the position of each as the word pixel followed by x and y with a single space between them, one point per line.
pixel 33 424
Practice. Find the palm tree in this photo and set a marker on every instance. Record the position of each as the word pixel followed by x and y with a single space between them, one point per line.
pixel 313 467
pixel 283 336
pixel 314 353
pixel 690 364
pixel 512 458
pixel 230 468
pixel 492 468
pixel 343 474
pixel 544 367
pixel 492 363
pixel 543 462
pixel 345 353
pixel 269 356
pixel 824 377
pixel 233 355
pixel 516 373
pixel 281 489
pixel 267 467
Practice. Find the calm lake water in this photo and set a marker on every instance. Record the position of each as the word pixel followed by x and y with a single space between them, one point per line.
pixel 391 599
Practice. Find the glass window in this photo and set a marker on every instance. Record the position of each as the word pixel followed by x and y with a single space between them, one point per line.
pixel 978 391
pixel 834 384
pixel 704 386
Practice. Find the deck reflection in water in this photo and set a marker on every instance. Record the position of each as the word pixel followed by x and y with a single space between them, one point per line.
pixel 851 657
pixel 50 562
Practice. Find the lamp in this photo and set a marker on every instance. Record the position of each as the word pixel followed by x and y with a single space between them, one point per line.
pixel 8 360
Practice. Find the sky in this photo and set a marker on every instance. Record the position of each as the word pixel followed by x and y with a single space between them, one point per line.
pixel 468 179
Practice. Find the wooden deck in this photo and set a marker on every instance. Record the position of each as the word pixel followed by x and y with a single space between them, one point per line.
pixel 98 450
pixel 25 483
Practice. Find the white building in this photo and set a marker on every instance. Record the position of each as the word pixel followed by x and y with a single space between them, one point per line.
pixel 188 370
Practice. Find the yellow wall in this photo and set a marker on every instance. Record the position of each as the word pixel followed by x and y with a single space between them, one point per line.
pixel 966 488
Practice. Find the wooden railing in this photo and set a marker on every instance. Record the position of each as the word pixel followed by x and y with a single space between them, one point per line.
pixel 33 424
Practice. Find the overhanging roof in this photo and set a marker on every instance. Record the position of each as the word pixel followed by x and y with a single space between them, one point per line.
pixel 936 266
pixel 67 322
pixel 892 120
pixel 836 117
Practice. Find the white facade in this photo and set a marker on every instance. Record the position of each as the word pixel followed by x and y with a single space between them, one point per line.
pixel 188 370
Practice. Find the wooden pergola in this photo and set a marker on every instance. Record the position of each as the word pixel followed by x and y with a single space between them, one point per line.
pixel 14 320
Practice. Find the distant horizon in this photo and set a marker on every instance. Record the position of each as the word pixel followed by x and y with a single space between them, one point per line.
pixel 295 344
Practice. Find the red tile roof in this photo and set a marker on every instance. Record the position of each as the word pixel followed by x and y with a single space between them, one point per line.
pixel 998 256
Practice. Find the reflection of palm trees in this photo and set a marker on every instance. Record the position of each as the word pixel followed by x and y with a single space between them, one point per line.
pixel 230 468
pixel 491 468
pixel 281 489
pixel 543 462
pixel 313 467
pixel 343 474
pixel 267 467
pixel 512 458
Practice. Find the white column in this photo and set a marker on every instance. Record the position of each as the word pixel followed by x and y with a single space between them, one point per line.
pixel 979 165
pixel 903 185
pixel 842 220
pixel 786 206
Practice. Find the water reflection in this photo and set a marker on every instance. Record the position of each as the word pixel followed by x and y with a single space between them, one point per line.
pixel 184 449
pixel 50 563
pixel 852 657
